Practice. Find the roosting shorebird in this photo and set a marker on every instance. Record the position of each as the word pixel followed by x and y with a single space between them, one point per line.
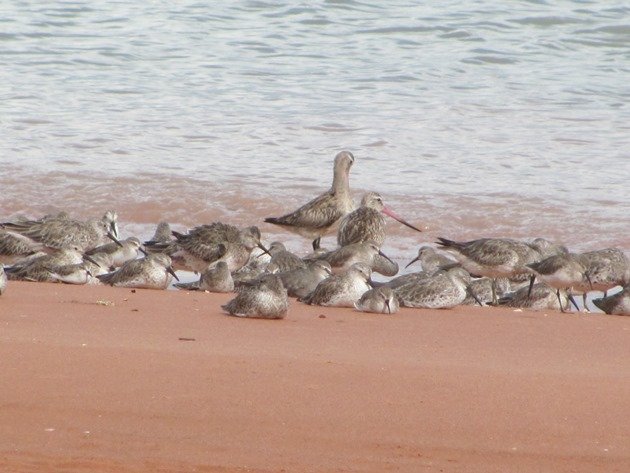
pixel 320 216
pixel 380 300
pixel 617 304
pixel 151 272
pixel 57 232
pixel 265 298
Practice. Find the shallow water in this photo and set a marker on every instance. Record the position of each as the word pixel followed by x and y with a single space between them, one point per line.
pixel 472 118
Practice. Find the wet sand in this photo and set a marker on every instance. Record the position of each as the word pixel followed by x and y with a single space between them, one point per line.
pixel 97 379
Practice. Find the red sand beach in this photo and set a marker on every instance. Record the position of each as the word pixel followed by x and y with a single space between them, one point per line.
pixel 99 379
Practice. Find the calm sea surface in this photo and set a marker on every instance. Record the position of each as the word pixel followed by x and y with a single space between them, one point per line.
pixel 473 118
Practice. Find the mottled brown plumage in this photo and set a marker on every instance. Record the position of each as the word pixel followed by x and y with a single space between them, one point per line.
pixel 342 290
pixel 616 304
pixel 151 272
pixel 265 298
pixel 380 300
pixel 216 278
pixel 367 224
pixel 60 232
pixel 320 216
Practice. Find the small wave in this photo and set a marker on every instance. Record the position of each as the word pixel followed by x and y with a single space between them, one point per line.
pixel 485 59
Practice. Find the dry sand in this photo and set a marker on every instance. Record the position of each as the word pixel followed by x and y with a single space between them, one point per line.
pixel 98 379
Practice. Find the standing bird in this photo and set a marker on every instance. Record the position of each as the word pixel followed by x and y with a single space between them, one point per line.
pixel 151 272
pixel 562 272
pixel 3 279
pixel 319 216
pixel 367 224
pixel 342 290
pixel 617 304
pixel 265 298
pixel 380 300
pixel 492 257
pixel 541 297
pixel 480 290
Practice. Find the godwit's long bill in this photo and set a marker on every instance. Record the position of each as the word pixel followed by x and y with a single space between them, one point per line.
pixel 389 212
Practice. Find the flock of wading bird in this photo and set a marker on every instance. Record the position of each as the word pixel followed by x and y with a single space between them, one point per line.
pixel 494 271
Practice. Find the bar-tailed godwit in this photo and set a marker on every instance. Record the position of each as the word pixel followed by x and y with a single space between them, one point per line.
pixel 367 224
pixel 320 216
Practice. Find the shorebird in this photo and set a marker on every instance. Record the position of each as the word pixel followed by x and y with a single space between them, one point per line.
pixel 493 257
pixel 163 233
pixel 3 279
pixel 443 290
pixel 343 258
pixel 58 232
pixel 367 224
pixel 616 304
pixel 541 297
pixel 606 269
pixel 14 247
pixel 480 290
pixel 151 272
pixel 320 216
pixel 72 274
pixel 283 260
pixel 206 244
pixel 404 279
pixel 216 278
pixel 431 260
pixel 266 298
pixel 342 290
pixel 301 282
pixel 380 300
pixel 562 272
pixel 43 268
pixel 119 252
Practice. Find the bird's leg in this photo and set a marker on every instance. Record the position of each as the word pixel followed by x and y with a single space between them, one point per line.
pixel 495 301
pixel 532 280
pixel 316 243
pixel 560 301
pixel 572 299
